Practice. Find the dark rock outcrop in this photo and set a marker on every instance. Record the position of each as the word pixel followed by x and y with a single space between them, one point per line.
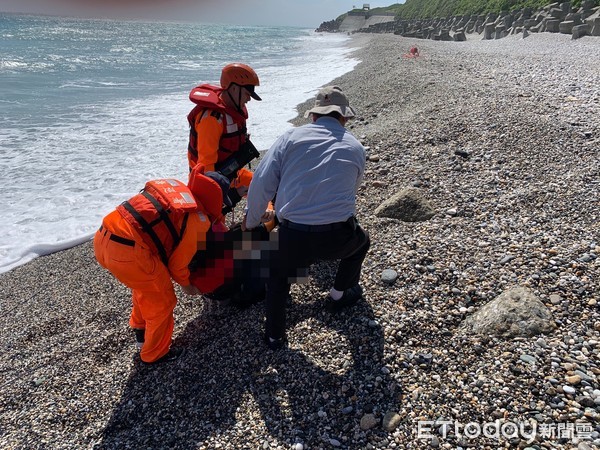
pixel 331 26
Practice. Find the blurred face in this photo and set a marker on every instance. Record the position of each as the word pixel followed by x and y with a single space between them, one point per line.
pixel 239 94
pixel 245 95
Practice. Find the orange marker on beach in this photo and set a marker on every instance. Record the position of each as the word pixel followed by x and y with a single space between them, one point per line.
pixel 412 53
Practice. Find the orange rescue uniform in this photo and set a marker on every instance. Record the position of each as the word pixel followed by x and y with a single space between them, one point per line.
pixel 211 128
pixel 216 132
pixel 121 249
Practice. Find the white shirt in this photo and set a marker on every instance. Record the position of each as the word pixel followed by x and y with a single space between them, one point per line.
pixel 315 170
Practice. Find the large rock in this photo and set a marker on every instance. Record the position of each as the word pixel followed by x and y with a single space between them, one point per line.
pixel 526 13
pixel 566 27
pixel 580 30
pixel 557 13
pixel 507 21
pixel 444 35
pixel 552 25
pixel 488 31
pixel 408 205
pixel 515 312
pixel 491 17
pixel 587 4
pixel 479 24
pixel 595 24
pixel 459 36
pixel 575 17
pixel 530 23
pixel 498 32
pixel 587 10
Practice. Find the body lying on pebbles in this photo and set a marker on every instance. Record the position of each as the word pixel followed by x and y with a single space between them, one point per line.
pixel 502 139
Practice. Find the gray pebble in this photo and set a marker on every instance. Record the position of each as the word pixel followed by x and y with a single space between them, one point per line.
pixel 347 410
pixel 389 276
pixel 528 359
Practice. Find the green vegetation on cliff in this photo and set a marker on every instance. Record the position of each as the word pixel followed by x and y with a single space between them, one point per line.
pixel 423 9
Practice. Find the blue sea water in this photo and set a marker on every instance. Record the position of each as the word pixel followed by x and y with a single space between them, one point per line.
pixel 92 109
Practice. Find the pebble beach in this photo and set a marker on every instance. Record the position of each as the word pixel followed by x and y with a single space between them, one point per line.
pixel 502 138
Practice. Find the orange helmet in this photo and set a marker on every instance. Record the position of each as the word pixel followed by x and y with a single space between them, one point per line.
pixel 240 74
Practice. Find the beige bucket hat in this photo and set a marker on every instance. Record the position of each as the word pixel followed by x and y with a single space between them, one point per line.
pixel 331 99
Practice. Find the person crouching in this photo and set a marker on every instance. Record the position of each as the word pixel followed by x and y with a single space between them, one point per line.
pixel 149 240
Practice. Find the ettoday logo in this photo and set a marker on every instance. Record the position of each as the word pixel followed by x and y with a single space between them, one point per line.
pixel 502 430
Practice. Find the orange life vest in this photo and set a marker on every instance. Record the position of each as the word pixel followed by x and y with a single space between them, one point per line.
pixel 207 100
pixel 160 213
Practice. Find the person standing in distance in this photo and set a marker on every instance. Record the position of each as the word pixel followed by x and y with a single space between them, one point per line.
pixel 315 170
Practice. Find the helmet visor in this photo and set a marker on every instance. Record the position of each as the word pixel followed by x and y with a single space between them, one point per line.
pixel 250 89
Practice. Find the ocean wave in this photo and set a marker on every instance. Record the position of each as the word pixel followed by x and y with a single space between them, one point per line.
pixel 87 84
pixel 122 50
pixel 12 64
pixel 37 250
pixel 107 121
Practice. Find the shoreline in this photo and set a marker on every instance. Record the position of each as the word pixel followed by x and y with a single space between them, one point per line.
pixel 527 212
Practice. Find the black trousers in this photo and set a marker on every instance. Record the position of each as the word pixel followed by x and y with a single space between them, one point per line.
pixel 298 249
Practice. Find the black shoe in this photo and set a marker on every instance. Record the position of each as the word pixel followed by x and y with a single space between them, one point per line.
pixel 275 343
pixel 172 355
pixel 350 297
pixel 140 337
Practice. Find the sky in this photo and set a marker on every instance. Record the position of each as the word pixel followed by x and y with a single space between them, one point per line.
pixel 300 13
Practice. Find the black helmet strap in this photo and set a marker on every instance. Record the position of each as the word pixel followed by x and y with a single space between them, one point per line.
pixel 239 100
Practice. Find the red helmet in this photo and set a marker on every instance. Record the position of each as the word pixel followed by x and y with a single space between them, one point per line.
pixel 240 74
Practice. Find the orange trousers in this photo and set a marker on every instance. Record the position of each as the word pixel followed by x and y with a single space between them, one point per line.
pixel 153 294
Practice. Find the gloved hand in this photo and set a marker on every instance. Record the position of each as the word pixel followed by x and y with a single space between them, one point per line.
pixel 267 216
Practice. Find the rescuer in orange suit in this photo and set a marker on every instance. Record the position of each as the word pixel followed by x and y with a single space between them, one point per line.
pixel 152 238
pixel 218 122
